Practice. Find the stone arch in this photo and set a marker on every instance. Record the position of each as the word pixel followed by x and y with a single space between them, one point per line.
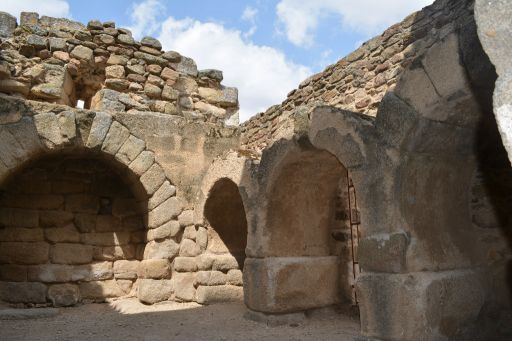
pixel 224 210
pixel 430 133
pixel 101 135
pixel 303 232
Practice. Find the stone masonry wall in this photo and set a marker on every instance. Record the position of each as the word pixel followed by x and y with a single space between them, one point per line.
pixel 61 61
pixel 359 81
pixel 70 229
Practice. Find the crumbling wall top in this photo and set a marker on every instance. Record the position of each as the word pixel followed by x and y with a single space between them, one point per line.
pixel 61 61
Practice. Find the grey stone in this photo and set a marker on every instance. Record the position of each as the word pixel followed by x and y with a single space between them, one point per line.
pixel 99 128
pixel 29 18
pixel 166 211
pixel 37 41
pixel 172 56
pixel 212 74
pixel 116 136
pixel 23 292
pixel 125 39
pixel 63 295
pixel 83 53
pixel 7 24
pixel 153 178
pixel 151 42
pixel 187 66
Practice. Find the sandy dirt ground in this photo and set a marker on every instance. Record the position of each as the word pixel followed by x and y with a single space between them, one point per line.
pixel 130 320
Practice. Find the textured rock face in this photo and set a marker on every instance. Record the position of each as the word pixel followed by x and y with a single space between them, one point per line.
pixel 417 198
pixel 60 61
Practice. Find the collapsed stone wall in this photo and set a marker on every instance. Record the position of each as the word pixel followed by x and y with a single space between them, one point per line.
pixel 359 81
pixel 61 61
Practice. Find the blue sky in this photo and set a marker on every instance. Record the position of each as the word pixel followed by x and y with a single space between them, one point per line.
pixel 265 47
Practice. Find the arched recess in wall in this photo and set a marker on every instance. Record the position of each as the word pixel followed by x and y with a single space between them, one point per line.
pixel 71 221
pixel 437 123
pixel 224 211
pixel 312 230
pixel 86 256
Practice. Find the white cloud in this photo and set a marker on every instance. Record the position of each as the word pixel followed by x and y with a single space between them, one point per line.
pixel 262 74
pixel 300 18
pixel 145 17
pixel 249 14
pixel 52 8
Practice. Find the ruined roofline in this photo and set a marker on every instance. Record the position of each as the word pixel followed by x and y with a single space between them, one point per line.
pixel 359 81
pixel 62 61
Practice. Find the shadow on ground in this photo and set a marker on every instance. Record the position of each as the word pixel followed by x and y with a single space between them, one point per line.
pixel 128 319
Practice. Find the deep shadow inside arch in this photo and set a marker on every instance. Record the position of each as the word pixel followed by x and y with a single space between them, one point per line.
pixel 73 228
pixel 224 211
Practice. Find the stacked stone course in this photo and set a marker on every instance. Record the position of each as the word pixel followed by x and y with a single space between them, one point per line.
pixel 359 81
pixel 61 61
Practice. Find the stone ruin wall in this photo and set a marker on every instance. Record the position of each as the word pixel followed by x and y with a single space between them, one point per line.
pixel 111 213
pixel 359 81
pixel 60 61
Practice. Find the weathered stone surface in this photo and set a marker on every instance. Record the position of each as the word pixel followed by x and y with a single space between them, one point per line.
pixel 163 193
pixel 212 74
pixel 114 71
pixel 154 268
pixel 142 162
pixel 383 252
pixel 219 293
pixel 183 284
pixel 116 136
pixel 63 253
pixel 211 278
pixel 151 42
pixel 23 292
pixel 186 218
pixel 131 148
pixel 83 53
pixel 13 273
pixel 99 128
pixel 100 290
pixel 62 234
pixel 271 284
pixel 187 66
pixel 7 24
pixel 153 178
pixel 63 295
pixel 126 269
pixel 14 86
pixel 47 125
pixel 188 248
pixel 152 291
pixel 185 264
pixel 166 211
pixel 20 234
pixel 50 273
pixel 190 232
pixel 116 59
pixel 92 272
pixel 24 253
pixel 16 217
pixel 125 39
pixel 37 41
pixel 169 229
pixel 166 249
pixel 224 263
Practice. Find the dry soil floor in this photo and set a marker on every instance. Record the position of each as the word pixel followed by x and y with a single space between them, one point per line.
pixel 130 320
